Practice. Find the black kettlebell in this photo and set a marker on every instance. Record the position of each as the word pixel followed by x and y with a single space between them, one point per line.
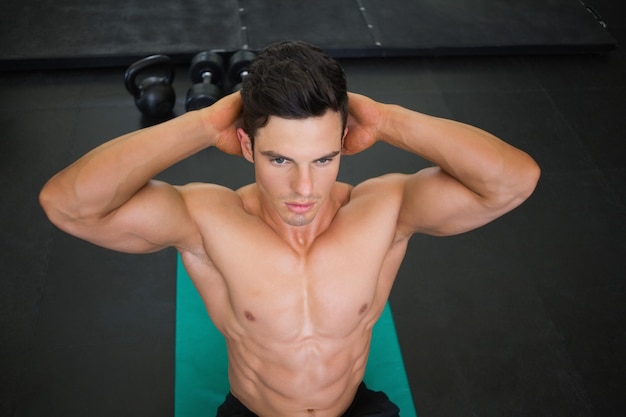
pixel 149 80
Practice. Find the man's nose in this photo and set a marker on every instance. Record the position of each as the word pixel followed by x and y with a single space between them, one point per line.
pixel 303 181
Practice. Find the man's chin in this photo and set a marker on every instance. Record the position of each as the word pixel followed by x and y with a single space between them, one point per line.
pixel 299 219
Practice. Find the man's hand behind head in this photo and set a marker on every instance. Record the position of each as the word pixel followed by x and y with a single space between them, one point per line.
pixel 223 118
pixel 364 118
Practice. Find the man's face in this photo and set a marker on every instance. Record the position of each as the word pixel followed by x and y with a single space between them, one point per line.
pixel 296 165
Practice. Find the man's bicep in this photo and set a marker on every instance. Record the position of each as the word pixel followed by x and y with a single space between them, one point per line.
pixel 156 217
pixel 436 203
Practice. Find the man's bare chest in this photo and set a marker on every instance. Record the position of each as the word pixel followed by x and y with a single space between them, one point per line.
pixel 326 292
pixel 342 276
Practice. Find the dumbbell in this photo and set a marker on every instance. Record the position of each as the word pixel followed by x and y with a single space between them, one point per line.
pixel 238 68
pixel 149 80
pixel 206 72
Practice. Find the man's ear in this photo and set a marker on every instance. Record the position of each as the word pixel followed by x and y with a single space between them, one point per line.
pixel 343 138
pixel 246 145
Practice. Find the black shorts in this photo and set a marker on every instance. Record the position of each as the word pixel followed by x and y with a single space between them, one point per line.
pixel 366 403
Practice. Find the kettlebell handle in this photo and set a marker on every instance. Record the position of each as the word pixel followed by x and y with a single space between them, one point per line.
pixel 148 62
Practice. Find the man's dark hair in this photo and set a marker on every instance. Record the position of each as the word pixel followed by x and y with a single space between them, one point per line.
pixel 292 80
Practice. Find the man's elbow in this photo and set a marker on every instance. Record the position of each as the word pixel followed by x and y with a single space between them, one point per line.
pixel 523 183
pixel 530 180
pixel 55 205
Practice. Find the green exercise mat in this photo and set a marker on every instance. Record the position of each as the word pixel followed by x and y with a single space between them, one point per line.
pixel 201 380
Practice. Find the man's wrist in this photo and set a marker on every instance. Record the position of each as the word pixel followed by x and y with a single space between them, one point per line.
pixel 206 127
pixel 389 125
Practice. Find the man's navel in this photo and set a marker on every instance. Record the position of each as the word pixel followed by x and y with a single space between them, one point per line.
pixel 249 316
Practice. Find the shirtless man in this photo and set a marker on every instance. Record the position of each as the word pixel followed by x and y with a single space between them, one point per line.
pixel 295 268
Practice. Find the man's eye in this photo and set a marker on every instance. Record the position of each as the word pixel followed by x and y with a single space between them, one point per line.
pixel 279 161
pixel 324 161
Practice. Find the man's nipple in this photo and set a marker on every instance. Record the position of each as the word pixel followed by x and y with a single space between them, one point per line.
pixel 363 309
pixel 249 316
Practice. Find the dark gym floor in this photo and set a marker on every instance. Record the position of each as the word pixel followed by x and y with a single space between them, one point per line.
pixel 524 317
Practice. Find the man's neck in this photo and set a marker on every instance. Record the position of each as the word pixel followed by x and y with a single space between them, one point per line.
pixel 301 238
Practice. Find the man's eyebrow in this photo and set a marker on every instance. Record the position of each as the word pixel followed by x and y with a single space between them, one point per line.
pixel 330 155
pixel 273 154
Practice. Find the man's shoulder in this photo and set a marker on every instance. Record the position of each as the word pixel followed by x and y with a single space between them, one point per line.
pixel 208 195
pixel 378 196
pixel 379 187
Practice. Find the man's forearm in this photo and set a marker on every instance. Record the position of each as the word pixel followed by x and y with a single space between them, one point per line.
pixel 108 176
pixel 482 162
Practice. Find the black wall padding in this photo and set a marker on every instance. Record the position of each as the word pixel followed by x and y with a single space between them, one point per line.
pixel 77 33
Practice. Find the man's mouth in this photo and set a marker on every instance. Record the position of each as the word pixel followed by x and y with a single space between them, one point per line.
pixel 299 208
